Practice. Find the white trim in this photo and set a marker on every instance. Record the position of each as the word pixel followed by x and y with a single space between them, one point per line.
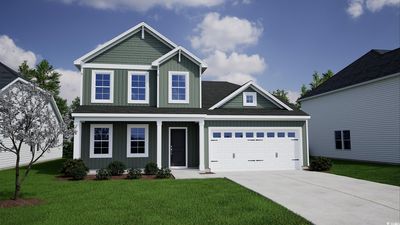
pixel 265 93
pixel 159 144
pixel 93 84
pixel 146 141
pixel 110 141
pixel 201 89
pixel 253 94
pixel 259 117
pixel 351 86
pixel 147 87
pixel 169 146
pixel 186 74
pixel 101 48
pixel 158 86
pixel 307 145
pixel 77 139
pixel 142 32
pixel 81 88
pixel 116 66
pixel 180 50
pixel 201 146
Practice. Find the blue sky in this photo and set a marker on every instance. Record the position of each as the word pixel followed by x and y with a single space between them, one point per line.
pixel 277 43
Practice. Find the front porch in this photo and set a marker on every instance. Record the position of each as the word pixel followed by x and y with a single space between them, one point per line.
pixel 171 143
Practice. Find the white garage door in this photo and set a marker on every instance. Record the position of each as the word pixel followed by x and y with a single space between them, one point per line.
pixel 241 149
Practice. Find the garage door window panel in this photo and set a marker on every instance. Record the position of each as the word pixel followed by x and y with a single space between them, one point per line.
pixel 281 134
pixel 216 134
pixel 238 135
pixel 228 135
pixel 270 134
pixel 291 134
pixel 249 134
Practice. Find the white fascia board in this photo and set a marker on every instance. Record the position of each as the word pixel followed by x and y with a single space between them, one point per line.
pixel 260 117
pixel 110 43
pixel 265 93
pixel 117 66
pixel 349 87
pixel 171 53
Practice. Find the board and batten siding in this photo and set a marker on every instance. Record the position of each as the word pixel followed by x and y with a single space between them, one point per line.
pixel 134 50
pixel 194 81
pixel 262 102
pixel 120 88
pixel 7 159
pixel 119 143
pixel 227 123
pixel 372 114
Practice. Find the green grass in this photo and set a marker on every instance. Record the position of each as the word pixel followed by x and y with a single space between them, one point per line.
pixel 381 173
pixel 211 201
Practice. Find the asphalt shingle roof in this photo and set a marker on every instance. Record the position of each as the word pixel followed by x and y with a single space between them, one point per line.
pixel 7 75
pixel 374 64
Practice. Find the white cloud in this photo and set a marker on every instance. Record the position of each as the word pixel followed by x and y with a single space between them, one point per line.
pixel 293 96
pixel 225 33
pixel 356 7
pixel 12 55
pixel 236 68
pixel 70 84
pixel 143 5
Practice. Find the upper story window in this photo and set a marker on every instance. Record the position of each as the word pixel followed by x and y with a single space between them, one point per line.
pixel 102 86
pixel 249 99
pixel 101 141
pixel 178 87
pixel 138 87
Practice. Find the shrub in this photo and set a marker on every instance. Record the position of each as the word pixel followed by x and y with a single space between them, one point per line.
pixel 151 168
pixel 68 149
pixel 163 173
pixel 116 168
pixel 103 174
pixel 78 173
pixel 134 174
pixel 72 167
pixel 320 164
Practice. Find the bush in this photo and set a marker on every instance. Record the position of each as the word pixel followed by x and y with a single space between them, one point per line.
pixel 163 173
pixel 320 164
pixel 134 174
pixel 74 168
pixel 151 168
pixel 116 168
pixel 103 174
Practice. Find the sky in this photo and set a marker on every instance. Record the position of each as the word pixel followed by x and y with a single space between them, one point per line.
pixel 278 44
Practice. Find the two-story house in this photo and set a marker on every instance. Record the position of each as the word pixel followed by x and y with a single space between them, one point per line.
pixel 144 100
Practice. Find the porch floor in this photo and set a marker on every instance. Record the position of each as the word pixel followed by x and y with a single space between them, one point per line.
pixel 192 174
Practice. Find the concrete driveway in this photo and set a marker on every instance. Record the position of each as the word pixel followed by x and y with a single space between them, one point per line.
pixel 325 198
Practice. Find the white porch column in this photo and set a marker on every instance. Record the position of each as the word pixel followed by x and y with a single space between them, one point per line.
pixel 77 139
pixel 159 142
pixel 201 146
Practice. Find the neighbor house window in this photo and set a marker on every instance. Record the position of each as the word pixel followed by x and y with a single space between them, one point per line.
pixel 249 99
pixel 342 139
pixel 138 87
pixel 102 86
pixel 178 88
pixel 338 139
pixel 101 141
pixel 346 139
pixel 137 140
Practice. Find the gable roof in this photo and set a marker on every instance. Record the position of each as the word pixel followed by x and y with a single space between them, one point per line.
pixel 373 65
pixel 7 75
pixel 101 48
pixel 179 50
pixel 215 91
pixel 260 90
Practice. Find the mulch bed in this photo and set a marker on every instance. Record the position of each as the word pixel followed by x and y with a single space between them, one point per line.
pixel 122 177
pixel 20 202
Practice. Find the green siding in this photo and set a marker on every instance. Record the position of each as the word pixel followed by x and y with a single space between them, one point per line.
pixel 120 88
pixel 119 150
pixel 134 50
pixel 194 81
pixel 262 102
pixel 193 142
pixel 221 123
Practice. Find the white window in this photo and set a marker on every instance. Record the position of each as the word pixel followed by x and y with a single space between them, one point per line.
pixel 101 141
pixel 249 99
pixel 138 140
pixel 102 86
pixel 178 87
pixel 138 87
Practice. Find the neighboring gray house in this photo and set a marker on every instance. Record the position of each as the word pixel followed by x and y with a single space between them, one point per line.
pixel 356 113
pixel 143 100
pixel 8 77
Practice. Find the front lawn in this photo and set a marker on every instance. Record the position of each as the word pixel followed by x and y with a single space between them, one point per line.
pixel 381 173
pixel 210 201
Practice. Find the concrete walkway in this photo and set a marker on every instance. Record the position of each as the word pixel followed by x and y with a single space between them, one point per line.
pixel 192 174
pixel 325 198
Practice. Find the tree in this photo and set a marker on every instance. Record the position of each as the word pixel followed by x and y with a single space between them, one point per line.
pixel 26 118
pixel 69 143
pixel 281 95
pixel 317 80
pixel 44 76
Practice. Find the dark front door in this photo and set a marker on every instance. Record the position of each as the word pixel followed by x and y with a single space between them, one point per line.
pixel 178 147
